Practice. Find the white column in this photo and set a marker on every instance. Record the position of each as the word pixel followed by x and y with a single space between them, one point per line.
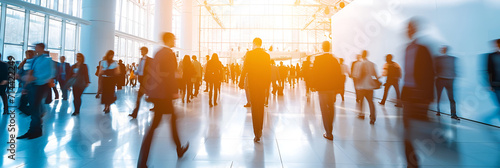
pixel 186 28
pixel 163 20
pixel 98 37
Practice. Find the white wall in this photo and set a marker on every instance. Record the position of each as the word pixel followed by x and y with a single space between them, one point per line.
pixel 467 26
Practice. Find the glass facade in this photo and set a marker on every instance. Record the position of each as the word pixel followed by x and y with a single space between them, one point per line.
pixel 24 28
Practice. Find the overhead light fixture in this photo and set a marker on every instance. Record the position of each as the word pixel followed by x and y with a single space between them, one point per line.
pixel 342 4
pixel 327 10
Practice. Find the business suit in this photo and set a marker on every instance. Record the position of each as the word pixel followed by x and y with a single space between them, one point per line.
pixel 161 86
pixel 325 73
pixel 494 72
pixel 4 76
pixel 140 93
pixel 63 74
pixel 257 67
pixel 417 94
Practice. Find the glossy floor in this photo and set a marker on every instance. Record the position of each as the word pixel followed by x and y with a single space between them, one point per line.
pixel 222 136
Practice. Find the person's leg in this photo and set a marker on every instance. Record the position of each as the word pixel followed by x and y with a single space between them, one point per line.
pixel 196 87
pixel 386 91
pixel 210 93
pixel 48 98
pixel 398 94
pixel 148 137
pixel 63 89
pixel 23 104
pixel 39 92
pixel 439 89
pixel 369 98
pixel 342 90
pixel 247 94
pixel 324 99
pixel 3 93
pixel 361 94
pixel 77 99
pixel 189 90
pixel 257 99
pixel 449 90
pixel 216 91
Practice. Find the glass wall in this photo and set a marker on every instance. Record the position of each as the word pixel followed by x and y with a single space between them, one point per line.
pixel 24 28
pixel 134 26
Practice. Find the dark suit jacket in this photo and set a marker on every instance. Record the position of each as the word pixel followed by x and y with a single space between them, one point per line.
pixel 83 71
pixel 160 79
pixel 68 71
pixel 423 76
pixel 257 66
pixel 494 69
pixel 326 73
pixel 4 71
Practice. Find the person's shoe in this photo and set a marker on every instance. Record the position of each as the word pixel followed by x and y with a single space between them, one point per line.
pixel 455 117
pixel 211 105
pixel 133 115
pixel 189 101
pixel 97 96
pixel 438 114
pixel 27 135
pixel 35 135
pixel 398 105
pixel 266 105
pixel 205 91
pixel 381 103
pixel 327 137
pixel 256 139
pixel 215 104
pixel 182 150
pixel 247 105
pixel 361 117
pixel 75 114
pixel 372 122
pixel 152 109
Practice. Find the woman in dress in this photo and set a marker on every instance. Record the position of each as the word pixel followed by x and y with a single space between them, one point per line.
pixel 108 71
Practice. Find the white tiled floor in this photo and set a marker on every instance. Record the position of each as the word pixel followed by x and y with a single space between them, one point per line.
pixel 223 136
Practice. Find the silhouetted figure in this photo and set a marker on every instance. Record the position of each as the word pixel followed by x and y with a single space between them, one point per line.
pixel 109 70
pixel 198 75
pixel 4 81
pixel 41 75
pixel 297 73
pixel 367 80
pixel 213 76
pixel 418 90
pixel 162 89
pixel 53 84
pixel 257 67
pixel 344 70
pixel 392 71
pixel 275 76
pixel 80 74
pixel 142 71
pixel 494 70
pixel 63 74
pixel 306 73
pixel 283 75
pixel 99 82
pixel 445 77
pixel 133 75
pixel 326 72
pixel 187 70
pixel 123 73
pixel 354 80
pixel 23 69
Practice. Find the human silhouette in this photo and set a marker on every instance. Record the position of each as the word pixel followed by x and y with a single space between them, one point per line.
pixel 198 75
pixel 494 70
pixel 367 80
pixel 142 71
pixel 162 89
pixel 257 68
pixel 325 73
pixel 214 78
pixel 80 73
pixel 445 77
pixel 63 74
pixel 354 80
pixel 392 72
pixel 306 74
pixel 344 69
pixel 109 70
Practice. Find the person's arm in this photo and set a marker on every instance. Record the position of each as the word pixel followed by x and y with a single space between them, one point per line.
pixel 85 73
pixel 244 72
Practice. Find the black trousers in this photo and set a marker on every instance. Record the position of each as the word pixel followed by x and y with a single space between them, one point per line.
pixel 64 91
pixel 3 93
pixel 447 84
pixel 36 94
pixel 214 88
pixel 23 104
pixel 77 98
pixel 257 97
pixel 140 93
pixel 161 107
pixel 388 85
pixel 49 99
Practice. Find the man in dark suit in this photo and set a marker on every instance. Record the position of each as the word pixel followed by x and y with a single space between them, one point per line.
pixel 494 70
pixel 4 81
pixel 63 74
pixel 162 89
pixel 418 91
pixel 257 70
pixel 325 73
pixel 142 70
pixel 123 71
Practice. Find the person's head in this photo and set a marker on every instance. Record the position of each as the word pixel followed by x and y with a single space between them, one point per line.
pixel 498 43
pixel 257 43
pixel 10 58
pixel 120 61
pixel 388 58
pixel 169 39
pixel 39 48
pixel 144 51
pixel 341 60
pixel 308 58
pixel 444 50
pixel 30 54
pixel 80 58
pixel 358 57
pixel 62 59
pixel 281 63
pixel 215 57
pixel 272 62
pixel 109 55
pixel 326 46
pixel 193 57
pixel 364 54
pixel 412 28
pixel 186 58
pixel 133 63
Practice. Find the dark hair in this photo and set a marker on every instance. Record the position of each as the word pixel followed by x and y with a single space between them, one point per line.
pixel 326 46
pixel 364 54
pixel 108 54
pixel 498 41
pixel 389 56
pixel 168 36
pixel 144 49
pixel 257 41
pixel 215 57
pixel 194 57
pixel 40 45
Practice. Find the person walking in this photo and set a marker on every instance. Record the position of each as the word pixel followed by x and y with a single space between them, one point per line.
pixel 367 81
pixel 80 75
pixel 213 76
pixel 392 71
pixel 109 70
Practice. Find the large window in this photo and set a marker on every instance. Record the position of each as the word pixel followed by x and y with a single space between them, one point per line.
pixel 37 28
pixel 14 29
pixel 54 33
